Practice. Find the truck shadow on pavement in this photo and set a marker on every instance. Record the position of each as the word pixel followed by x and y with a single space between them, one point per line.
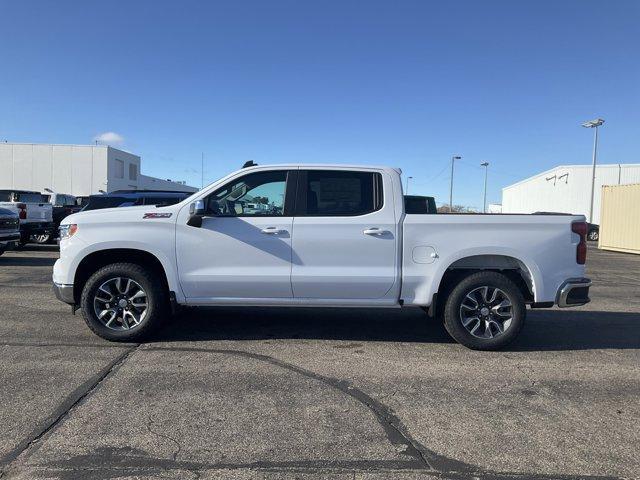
pixel 550 330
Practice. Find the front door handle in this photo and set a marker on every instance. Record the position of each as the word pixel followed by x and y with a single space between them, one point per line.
pixel 375 231
pixel 272 231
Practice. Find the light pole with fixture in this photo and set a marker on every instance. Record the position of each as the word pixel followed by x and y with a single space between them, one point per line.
pixel 407 190
pixel 486 170
pixel 453 158
pixel 593 124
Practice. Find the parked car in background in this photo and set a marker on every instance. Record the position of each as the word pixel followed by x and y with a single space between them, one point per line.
pixel 336 236
pixel 63 206
pixel 9 230
pixel 34 212
pixel 130 198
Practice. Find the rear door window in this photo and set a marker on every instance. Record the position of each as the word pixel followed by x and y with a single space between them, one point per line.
pixel 338 193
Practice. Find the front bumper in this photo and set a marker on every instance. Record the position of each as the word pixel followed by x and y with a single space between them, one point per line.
pixel 64 293
pixel 9 238
pixel 574 292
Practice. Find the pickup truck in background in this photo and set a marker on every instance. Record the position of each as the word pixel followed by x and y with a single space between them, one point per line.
pixel 34 213
pixel 9 230
pixel 63 205
pixel 329 236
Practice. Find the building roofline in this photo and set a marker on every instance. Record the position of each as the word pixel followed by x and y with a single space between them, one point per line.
pixel 601 165
pixel 91 145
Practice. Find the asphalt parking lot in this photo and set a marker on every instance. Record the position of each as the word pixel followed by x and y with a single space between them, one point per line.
pixel 297 393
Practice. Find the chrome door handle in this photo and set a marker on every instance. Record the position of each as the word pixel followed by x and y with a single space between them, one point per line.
pixel 272 231
pixel 375 231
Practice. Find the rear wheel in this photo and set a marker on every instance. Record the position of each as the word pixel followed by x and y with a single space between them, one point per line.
pixel 43 238
pixel 485 311
pixel 124 302
pixel 593 235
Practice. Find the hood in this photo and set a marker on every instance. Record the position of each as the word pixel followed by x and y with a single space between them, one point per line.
pixel 124 215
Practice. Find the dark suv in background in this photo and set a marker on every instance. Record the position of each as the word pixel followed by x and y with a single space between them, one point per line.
pixel 130 198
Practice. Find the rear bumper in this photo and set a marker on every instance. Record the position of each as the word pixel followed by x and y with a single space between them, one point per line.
pixel 574 292
pixel 64 293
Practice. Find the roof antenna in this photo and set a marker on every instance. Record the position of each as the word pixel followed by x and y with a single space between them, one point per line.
pixel 249 163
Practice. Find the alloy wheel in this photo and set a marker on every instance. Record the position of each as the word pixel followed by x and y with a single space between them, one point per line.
pixel 120 303
pixel 486 312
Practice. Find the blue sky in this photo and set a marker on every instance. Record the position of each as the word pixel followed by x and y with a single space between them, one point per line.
pixel 403 83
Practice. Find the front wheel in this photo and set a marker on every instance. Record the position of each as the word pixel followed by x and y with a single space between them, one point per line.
pixel 124 302
pixel 593 235
pixel 485 311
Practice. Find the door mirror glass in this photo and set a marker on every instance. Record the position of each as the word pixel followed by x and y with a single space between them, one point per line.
pixel 197 208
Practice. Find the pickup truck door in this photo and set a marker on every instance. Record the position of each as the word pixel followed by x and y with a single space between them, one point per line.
pixel 345 236
pixel 243 248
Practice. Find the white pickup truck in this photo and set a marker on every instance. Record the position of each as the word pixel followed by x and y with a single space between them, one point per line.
pixel 324 236
pixel 34 212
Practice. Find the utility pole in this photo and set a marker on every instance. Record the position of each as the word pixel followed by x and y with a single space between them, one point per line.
pixel 202 171
pixel 453 159
pixel 593 124
pixel 407 189
pixel 484 202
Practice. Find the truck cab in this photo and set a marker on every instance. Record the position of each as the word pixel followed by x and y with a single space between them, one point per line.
pixel 328 235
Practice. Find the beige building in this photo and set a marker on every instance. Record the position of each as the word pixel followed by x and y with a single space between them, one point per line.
pixel 620 218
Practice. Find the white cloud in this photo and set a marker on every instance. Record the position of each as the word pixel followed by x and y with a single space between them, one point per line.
pixel 109 138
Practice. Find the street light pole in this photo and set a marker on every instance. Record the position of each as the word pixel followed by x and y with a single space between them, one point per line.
pixel 593 124
pixel 486 170
pixel 453 158
pixel 407 189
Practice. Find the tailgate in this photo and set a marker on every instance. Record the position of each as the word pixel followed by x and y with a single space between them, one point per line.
pixel 39 212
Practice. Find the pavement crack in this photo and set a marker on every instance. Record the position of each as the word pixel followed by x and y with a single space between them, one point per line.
pixel 167 437
pixel 396 432
pixel 49 424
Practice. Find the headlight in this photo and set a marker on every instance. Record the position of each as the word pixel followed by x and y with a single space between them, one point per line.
pixel 68 231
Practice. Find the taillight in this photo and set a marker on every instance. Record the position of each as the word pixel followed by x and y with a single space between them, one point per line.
pixel 22 211
pixel 581 251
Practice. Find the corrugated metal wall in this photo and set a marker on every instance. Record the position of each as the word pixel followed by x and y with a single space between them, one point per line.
pixel 566 189
pixel 620 222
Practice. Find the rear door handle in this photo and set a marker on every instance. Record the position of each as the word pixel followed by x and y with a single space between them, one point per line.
pixel 272 230
pixel 375 231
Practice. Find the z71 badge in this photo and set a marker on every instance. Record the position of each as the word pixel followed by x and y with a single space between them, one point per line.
pixel 157 215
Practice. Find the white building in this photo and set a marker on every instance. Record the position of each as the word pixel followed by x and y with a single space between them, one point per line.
pixel 75 169
pixel 566 189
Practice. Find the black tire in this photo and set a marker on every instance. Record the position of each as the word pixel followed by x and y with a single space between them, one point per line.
pixel 470 285
pixel 593 235
pixel 2 250
pixel 43 239
pixel 157 299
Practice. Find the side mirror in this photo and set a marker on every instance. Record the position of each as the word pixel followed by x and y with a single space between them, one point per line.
pixel 197 208
pixel 196 212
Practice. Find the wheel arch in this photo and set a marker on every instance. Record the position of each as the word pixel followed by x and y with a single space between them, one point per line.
pixel 522 272
pixel 100 258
